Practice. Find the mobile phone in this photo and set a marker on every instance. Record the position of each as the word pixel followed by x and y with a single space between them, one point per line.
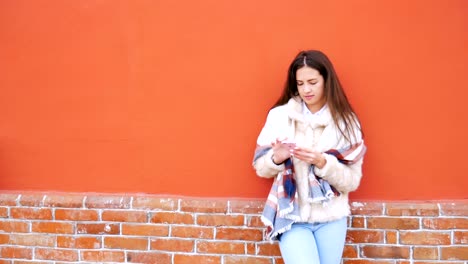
pixel 289 144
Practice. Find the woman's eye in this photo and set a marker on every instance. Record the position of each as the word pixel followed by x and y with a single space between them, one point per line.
pixel 313 83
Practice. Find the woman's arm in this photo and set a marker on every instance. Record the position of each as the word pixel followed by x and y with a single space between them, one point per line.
pixel 276 126
pixel 265 167
pixel 345 178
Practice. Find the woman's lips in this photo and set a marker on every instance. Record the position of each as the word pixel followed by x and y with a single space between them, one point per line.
pixel 308 97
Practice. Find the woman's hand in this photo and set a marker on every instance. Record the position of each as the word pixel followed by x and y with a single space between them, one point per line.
pixel 310 156
pixel 281 152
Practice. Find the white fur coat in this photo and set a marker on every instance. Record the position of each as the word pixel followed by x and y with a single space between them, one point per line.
pixel 319 133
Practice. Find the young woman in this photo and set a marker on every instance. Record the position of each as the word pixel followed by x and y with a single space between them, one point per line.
pixel 312 144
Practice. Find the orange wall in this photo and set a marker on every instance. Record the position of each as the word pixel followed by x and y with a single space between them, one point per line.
pixel 168 97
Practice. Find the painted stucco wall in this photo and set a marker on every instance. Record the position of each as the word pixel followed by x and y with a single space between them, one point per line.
pixel 168 97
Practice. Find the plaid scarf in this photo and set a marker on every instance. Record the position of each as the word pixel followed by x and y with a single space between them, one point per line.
pixel 281 208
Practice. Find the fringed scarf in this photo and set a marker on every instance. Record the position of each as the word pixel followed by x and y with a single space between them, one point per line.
pixel 281 208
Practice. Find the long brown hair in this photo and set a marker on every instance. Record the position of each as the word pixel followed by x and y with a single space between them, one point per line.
pixel 341 110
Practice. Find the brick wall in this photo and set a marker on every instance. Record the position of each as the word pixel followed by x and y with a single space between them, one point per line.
pixel 69 228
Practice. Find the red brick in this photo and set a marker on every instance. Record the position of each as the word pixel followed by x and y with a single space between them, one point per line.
pixel 150 258
pixel 108 202
pixel 362 261
pixel 3 212
pixel 35 262
pixel 14 226
pixel 191 259
pixel 79 242
pixel 279 261
pixel 460 237
pixel 76 214
pixel 9 199
pixel 38 240
pixel 179 245
pixel 392 252
pixel 454 209
pixel 358 222
pixel 125 216
pixel 251 249
pixel 454 253
pixel 126 243
pixel 239 234
pixel 391 237
pixel 246 206
pixel 4 239
pixel 246 260
pixel 64 201
pixel 172 218
pixel 215 247
pixel 31 213
pixel 366 208
pixel 31 200
pixel 424 238
pixel 220 220
pixel 445 223
pixel 350 251
pixel 56 254
pixel 268 249
pixel 154 203
pixel 254 221
pixel 100 229
pixel 204 205
pixel 52 227
pixel 145 230
pixel 434 262
pixel 192 232
pixel 425 253
pixel 412 209
pixel 364 236
pixel 16 252
pixel 103 256
pixel 398 223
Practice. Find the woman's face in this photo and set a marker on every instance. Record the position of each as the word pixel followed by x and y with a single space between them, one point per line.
pixel 310 85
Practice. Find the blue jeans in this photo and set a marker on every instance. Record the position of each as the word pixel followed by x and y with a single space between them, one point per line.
pixel 314 243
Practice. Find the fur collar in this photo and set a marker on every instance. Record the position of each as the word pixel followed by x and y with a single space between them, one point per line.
pixel 295 112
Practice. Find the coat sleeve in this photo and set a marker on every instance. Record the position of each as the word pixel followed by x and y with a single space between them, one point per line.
pixel 345 178
pixel 276 126
pixel 265 167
